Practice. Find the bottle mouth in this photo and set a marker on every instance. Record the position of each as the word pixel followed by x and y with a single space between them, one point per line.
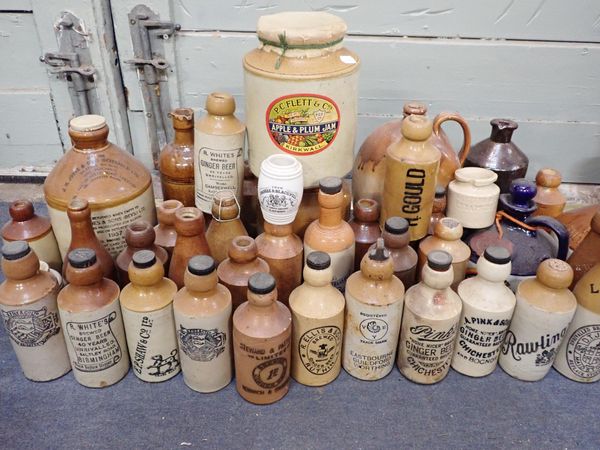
pixel 281 167
pixel 476 176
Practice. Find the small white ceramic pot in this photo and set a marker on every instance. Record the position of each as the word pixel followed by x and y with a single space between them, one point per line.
pixel 473 197
pixel 280 188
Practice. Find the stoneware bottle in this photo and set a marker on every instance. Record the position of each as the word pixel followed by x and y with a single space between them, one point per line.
pixel 439 208
pixel 147 307
pixel 577 356
pixel 243 262
pixel 139 235
pixel 117 185
pixel 203 323
pixel 330 233
pixel 83 236
pixel 587 254
pixel 410 176
pixel 282 250
pixel 545 308
pixel 549 200
pixel 365 225
pixel 430 323
pixel 218 151
pixel 280 188
pixel 166 235
pixel 225 224
pixel 374 299
pixel 488 306
pixel 30 315
pixel 191 241
pixel 317 323
pixel 90 315
pixel 396 239
pixel 577 221
pixel 262 334
pixel 176 160
pixel 446 237
pixel 26 225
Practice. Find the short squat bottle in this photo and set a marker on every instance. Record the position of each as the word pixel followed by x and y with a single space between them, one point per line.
pixel 203 323
pixel 365 225
pixel 90 314
pixel 317 323
pixel 225 224
pixel 262 334
pixel 430 322
pixel 147 306
pixel 396 239
pixel 488 306
pixel 549 200
pixel 30 315
pixel 374 299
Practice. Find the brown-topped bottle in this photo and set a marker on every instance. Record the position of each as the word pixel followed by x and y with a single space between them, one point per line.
pixel 365 225
pixel 176 160
pixel 166 235
pixel 404 258
pixel 587 254
pixel 549 200
pixel 26 225
pixel 225 224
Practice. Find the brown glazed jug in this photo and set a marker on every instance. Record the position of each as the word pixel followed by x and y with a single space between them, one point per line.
pixel 191 241
pixel 578 223
pixel 243 262
pixel 26 225
pixel 262 334
pixel 365 225
pixel 499 154
pixel 83 236
pixel 549 200
pixel 587 255
pixel 439 208
pixel 404 257
pixel 166 235
pixel 225 224
pixel 176 160
pixel 139 235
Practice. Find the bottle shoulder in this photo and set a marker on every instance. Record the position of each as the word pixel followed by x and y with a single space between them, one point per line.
pixel 486 295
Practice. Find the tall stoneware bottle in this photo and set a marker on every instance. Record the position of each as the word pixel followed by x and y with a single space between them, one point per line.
pixel 488 306
pixel 545 308
pixel 117 186
pixel 26 225
pixel 30 315
pixel 577 356
pixel 203 322
pixel 374 298
pixel 330 233
pixel 410 176
pixel 166 235
pixel 147 307
pixel 90 315
pixel 262 334
pixel 549 200
pixel 587 254
pixel 317 324
pixel 218 151
pixel 430 322
pixel 243 262
pixel 396 239
pixel 225 224
pixel 365 225
pixel 139 235
pixel 176 160
pixel 83 236
pixel 191 241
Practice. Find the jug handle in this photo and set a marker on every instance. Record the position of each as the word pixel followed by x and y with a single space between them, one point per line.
pixel 445 116
pixel 557 228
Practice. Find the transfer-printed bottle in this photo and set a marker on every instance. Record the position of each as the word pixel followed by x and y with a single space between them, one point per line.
pixel 225 224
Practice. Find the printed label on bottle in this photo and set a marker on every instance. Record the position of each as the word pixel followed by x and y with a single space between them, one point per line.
pixel 30 327
pixel 320 349
pixel 202 345
pixel 277 199
pixel 303 124
pixel 540 351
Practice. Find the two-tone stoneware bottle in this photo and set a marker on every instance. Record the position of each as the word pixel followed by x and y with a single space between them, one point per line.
pixel 549 200
pixel 225 224
pixel 365 225
pixel 396 239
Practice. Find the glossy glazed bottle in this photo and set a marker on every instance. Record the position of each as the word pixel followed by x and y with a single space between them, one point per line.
pixel 439 208
pixel 545 308
pixel 317 324
pixel 488 306
pixel 176 161
pixel 262 334
pixel 587 254
pixel 166 235
pixel 90 314
pixel 374 298
pixel 225 224
pixel 430 323
pixel 203 323
pixel 396 239
pixel 330 234
pixel 365 225
pixel 30 314
pixel 243 262
pixel 26 225
pixel 549 200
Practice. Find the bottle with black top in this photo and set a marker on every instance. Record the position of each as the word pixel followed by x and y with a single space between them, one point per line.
pixel 404 258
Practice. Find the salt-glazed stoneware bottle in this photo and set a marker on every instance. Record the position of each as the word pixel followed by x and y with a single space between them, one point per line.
pixel 90 315
pixel 396 239
pixel 262 335
pixel 587 254
pixel 374 299
pixel 166 235
pixel 439 208
pixel 147 307
pixel 545 308
pixel 577 357
pixel 549 200
pixel 225 224
pixel 317 324
pixel 430 322
pixel 243 262
pixel 203 323
pixel 365 225
pixel 488 306
pixel 30 314
pixel 26 225
pixel 330 233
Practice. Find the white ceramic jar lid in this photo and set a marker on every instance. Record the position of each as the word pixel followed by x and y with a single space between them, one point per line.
pixel 89 122
pixel 301 27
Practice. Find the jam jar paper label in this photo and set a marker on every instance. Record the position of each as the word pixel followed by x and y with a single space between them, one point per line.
pixel 303 124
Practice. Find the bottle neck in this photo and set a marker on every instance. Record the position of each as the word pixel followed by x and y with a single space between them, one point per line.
pixel 317 278
pixel 82 228
pixel 278 230
pixel 184 137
